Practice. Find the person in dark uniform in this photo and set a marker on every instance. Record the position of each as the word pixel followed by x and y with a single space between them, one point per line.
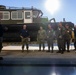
pixel 24 34
pixel 75 37
pixel 50 38
pixel 41 36
pixel 67 37
pixel 1 36
pixel 60 38
pixel 1 39
pixel 2 29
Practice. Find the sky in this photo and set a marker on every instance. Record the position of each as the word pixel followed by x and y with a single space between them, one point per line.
pixel 66 10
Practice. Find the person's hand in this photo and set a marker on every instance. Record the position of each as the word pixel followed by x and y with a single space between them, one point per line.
pixel 21 36
pixel 28 39
pixel 6 28
pixel 60 36
pixel 37 39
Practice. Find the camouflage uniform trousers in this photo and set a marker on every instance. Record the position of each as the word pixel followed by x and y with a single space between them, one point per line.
pixel 66 42
pixel 41 42
pixel 50 43
pixel 60 43
pixel 25 41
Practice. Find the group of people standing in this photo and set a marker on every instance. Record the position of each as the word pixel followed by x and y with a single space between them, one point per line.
pixel 63 35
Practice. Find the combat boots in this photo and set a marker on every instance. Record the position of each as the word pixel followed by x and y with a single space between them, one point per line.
pixel 68 49
pixel 1 47
pixel 22 48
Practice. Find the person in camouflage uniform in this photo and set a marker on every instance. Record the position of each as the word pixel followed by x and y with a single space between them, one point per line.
pixel 67 37
pixel 50 38
pixel 60 37
pixel 41 36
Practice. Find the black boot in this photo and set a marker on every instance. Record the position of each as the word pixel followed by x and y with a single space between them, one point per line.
pixel 39 49
pixel 1 47
pixel 27 47
pixel 43 49
pixel 59 50
pixel 48 49
pixel 62 52
pixel 68 51
pixel 22 48
pixel 52 50
pixel 75 49
pixel 0 50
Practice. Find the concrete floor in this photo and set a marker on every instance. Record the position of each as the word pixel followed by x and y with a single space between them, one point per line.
pixel 14 51
pixel 31 47
pixel 37 62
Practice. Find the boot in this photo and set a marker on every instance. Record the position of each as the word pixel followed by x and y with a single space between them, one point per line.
pixel 1 47
pixel 59 50
pixel 27 47
pixel 39 49
pixel 62 52
pixel 43 49
pixel 22 48
pixel 68 51
pixel 48 50
pixel 52 50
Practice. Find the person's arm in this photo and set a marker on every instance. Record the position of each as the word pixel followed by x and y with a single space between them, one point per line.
pixel 70 33
pixel 21 34
pixel 4 28
pixel 47 35
pixel 28 34
pixel 73 35
pixel 57 33
pixel 37 35
pixel 63 32
pixel 44 34
pixel 54 36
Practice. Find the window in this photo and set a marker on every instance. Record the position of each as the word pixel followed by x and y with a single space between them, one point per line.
pixel 35 14
pixel 19 14
pixel 5 15
pixel 16 15
pixel 27 15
